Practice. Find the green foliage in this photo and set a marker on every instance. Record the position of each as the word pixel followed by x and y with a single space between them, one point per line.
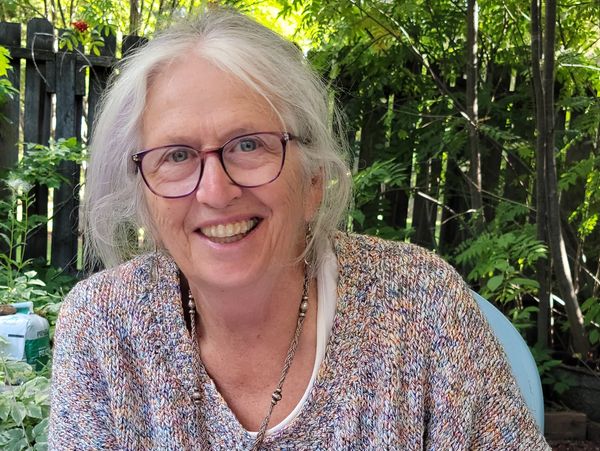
pixel 557 382
pixel 502 262
pixel 369 184
pixel 15 227
pixel 586 215
pixel 6 88
pixel 40 163
pixel 18 281
pixel 24 408
pixel 4 61
pixel 71 39
pixel 24 400
pixel 367 181
pixel 591 310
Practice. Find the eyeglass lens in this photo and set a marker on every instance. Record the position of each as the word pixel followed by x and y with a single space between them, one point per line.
pixel 249 161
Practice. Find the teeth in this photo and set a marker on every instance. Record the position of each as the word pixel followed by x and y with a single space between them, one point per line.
pixel 229 230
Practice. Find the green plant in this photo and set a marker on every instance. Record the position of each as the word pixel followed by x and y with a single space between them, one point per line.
pixel 6 88
pixel 368 185
pixel 501 263
pixel 591 311
pixel 39 165
pixel 24 408
pixel 24 403
pixel 556 382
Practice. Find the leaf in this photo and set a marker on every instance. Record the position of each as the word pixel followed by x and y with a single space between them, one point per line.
pixel 34 410
pixel 595 336
pixel 525 282
pixel 18 413
pixel 40 429
pixel 495 282
pixel 4 61
pixel 358 216
pixel 11 438
pixel 4 410
pixel 561 387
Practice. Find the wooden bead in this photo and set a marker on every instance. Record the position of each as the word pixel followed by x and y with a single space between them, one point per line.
pixel 196 398
pixel 276 396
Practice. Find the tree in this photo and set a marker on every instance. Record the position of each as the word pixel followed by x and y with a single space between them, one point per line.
pixel 549 215
pixel 472 74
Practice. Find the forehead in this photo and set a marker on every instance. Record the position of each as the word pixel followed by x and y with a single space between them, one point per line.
pixel 191 100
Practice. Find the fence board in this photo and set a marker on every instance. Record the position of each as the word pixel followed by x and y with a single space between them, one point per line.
pixel 66 197
pixel 98 80
pixel 130 43
pixel 39 78
pixel 10 34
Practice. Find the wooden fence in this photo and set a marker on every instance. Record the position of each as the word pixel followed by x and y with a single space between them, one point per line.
pixel 61 92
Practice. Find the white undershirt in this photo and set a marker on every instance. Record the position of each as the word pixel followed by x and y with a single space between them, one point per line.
pixel 326 304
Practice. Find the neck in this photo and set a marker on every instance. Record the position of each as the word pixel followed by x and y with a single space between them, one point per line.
pixel 250 316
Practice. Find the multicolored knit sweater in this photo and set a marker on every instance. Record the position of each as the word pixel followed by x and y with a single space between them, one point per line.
pixel 411 364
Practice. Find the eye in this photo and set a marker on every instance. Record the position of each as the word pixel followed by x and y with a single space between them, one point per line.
pixel 248 144
pixel 178 155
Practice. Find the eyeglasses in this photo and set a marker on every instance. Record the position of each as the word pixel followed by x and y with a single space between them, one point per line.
pixel 249 161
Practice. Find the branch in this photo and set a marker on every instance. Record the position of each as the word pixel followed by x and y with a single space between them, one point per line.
pixel 440 84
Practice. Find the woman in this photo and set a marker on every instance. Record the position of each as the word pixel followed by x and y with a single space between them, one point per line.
pixel 254 324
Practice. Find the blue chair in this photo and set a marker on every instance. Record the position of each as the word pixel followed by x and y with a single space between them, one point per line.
pixel 519 356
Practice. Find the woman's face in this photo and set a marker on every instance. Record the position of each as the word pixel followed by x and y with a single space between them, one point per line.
pixel 222 235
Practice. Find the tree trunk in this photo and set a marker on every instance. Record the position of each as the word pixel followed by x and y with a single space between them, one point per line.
pixel 134 17
pixel 542 267
pixel 557 243
pixel 548 201
pixel 473 113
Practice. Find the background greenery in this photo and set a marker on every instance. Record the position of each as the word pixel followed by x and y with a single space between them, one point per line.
pixel 447 152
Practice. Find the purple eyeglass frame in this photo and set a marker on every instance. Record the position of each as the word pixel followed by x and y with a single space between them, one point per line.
pixel 285 138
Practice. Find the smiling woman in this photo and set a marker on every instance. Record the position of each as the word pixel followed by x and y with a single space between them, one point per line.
pixel 253 323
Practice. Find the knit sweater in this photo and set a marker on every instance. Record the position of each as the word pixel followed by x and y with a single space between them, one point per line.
pixel 411 364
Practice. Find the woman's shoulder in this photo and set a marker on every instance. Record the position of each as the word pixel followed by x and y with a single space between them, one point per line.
pixel 376 254
pixel 119 286
pixel 400 275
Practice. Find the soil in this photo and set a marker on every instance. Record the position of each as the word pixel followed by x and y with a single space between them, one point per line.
pixel 574 445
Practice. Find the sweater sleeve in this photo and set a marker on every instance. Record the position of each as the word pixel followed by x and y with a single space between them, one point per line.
pixel 471 380
pixel 80 414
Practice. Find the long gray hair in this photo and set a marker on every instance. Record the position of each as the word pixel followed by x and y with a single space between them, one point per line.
pixel 114 208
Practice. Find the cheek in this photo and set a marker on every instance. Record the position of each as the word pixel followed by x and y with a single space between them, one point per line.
pixel 294 204
pixel 167 215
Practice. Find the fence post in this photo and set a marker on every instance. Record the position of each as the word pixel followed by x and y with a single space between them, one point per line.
pixel 10 35
pixel 98 80
pixel 66 197
pixel 39 84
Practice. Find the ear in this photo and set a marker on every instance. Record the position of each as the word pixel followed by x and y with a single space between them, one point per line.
pixel 314 196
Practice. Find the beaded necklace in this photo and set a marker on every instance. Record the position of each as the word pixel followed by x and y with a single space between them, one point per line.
pixel 277 393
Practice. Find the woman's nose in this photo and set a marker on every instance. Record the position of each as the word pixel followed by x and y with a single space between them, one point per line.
pixel 216 189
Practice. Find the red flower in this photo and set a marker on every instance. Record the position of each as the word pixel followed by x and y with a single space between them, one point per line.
pixel 80 25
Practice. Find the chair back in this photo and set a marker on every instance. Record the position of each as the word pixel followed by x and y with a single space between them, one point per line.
pixel 519 356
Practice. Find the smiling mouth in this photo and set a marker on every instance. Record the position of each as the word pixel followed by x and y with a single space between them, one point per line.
pixel 229 233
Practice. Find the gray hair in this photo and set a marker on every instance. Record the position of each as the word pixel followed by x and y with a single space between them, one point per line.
pixel 114 208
